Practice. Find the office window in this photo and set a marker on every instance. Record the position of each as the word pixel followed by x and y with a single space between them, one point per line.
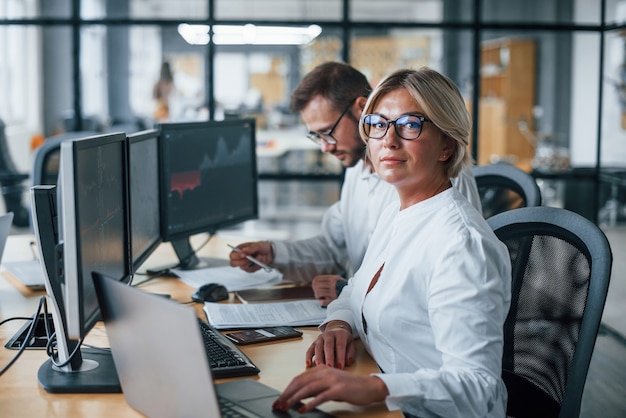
pixel 326 47
pixel 316 10
pixel 397 10
pixel 146 58
pixel 12 75
pixel 144 9
pixel 542 11
pixel 61 9
pixel 614 100
pixel 169 9
pixel 19 63
pixel 258 79
pixel 378 53
pixel 526 88
pixel 18 9
pixel 94 71
pixel 615 12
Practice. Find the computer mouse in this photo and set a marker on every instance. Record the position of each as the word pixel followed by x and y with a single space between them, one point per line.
pixel 210 292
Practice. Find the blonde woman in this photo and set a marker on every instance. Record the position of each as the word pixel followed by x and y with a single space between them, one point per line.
pixel 431 296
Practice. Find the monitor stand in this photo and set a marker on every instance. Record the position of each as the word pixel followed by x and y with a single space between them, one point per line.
pixel 188 260
pixel 96 374
pixel 89 370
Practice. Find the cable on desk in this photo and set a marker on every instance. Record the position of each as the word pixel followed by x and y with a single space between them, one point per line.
pixel 16 318
pixel 29 334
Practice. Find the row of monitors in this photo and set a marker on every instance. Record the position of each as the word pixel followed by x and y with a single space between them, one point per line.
pixel 119 196
pixel 207 180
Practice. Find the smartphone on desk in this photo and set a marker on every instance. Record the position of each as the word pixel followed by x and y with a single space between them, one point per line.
pixel 262 335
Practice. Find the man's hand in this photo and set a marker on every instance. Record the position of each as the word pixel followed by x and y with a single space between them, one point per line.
pixel 261 250
pixel 324 287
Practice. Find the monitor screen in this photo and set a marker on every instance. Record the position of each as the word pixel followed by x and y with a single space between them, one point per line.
pixel 143 182
pixel 94 223
pixel 208 179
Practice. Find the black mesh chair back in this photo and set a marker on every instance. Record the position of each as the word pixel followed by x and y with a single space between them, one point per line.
pixel 46 161
pixel 561 264
pixel 504 187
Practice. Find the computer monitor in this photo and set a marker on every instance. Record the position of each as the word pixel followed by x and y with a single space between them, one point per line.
pixel 92 235
pixel 143 182
pixel 208 180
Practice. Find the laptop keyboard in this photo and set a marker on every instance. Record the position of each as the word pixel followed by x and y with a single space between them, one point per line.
pixel 225 359
pixel 231 410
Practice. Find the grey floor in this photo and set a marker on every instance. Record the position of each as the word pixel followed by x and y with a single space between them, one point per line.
pixel 605 389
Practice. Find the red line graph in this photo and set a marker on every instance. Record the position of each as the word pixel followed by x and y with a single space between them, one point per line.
pixel 187 180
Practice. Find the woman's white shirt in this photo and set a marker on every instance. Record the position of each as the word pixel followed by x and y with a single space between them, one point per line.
pixel 435 318
pixel 347 226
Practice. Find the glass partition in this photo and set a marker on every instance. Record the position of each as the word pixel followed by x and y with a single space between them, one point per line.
pixel 537 12
pixel 397 10
pixel 311 10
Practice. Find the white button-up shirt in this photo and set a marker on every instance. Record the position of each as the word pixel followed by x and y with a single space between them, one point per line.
pixel 435 317
pixel 347 226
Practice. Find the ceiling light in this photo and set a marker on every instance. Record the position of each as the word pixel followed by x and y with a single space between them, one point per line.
pixel 249 34
pixel 194 34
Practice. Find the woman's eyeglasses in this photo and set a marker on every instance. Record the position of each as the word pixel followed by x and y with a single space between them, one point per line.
pixel 407 127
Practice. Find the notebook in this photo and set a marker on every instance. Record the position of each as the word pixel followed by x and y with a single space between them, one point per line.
pixel 273 294
pixel 162 364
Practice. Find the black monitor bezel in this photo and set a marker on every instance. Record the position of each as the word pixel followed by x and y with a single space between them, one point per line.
pixel 78 322
pixel 134 138
pixel 214 226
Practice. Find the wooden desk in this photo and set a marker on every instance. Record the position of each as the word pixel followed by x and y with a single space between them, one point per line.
pixel 22 396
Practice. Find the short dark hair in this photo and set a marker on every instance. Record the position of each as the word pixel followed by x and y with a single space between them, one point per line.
pixel 338 82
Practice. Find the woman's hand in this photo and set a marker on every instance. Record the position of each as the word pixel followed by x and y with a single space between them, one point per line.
pixel 261 250
pixel 324 383
pixel 334 347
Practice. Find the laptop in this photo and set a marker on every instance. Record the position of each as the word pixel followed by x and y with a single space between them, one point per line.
pixel 23 273
pixel 161 361
pixel 5 227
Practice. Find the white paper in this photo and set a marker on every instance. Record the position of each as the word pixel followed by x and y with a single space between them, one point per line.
pixel 250 315
pixel 233 278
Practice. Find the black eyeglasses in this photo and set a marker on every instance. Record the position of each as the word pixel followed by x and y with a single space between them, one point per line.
pixel 327 136
pixel 407 127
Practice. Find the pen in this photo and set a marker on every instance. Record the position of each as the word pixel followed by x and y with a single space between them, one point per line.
pixel 254 260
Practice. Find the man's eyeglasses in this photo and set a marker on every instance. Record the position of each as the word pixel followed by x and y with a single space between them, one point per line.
pixel 327 136
pixel 407 127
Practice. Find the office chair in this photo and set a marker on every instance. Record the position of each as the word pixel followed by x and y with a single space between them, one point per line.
pixel 561 264
pixel 504 187
pixel 46 161
pixel 12 182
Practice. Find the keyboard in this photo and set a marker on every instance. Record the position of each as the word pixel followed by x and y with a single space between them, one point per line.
pixel 225 358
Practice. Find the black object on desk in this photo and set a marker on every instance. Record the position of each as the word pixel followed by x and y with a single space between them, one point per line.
pixel 39 339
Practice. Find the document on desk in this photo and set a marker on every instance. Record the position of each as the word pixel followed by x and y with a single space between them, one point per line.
pixel 251 315
pixel 233 278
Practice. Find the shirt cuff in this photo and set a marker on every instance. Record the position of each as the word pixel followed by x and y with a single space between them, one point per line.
pixel 281 255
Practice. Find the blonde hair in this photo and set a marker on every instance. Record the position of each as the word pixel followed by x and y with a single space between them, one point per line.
pixel 442 103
